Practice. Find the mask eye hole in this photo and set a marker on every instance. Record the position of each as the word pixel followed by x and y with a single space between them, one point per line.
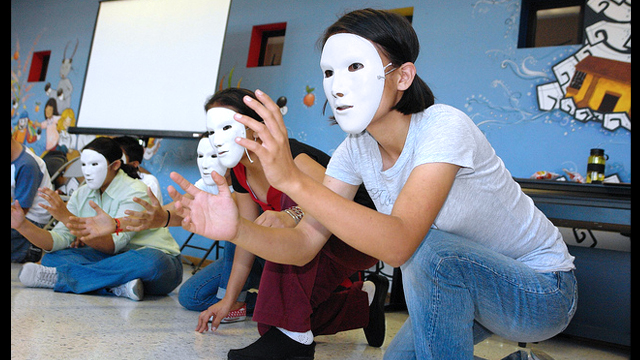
pixel 328 73
pixel 355 67
pixel 226 127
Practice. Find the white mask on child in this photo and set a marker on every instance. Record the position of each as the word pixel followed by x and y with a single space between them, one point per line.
pixel 94 168
pixel 223 130
pixel 208 162
pixel 353 80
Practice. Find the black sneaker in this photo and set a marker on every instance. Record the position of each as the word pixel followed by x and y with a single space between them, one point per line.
pixel 375 330
pixel 274 345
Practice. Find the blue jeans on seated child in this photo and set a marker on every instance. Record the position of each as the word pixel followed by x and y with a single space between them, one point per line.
pixel 86 270
pixel 208 286
pixel 458 291
pixel 21 248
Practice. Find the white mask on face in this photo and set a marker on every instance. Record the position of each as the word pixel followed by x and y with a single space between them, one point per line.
pixel 94 168
pixel 223 130
pixel 208 162
pixel 353 80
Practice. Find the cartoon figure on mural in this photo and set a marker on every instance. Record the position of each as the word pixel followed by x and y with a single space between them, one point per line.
pixel 65 88
pixel 22 128
pixel 594 84
pixel 50 123
pixel 151 148
pixel 67 143
pixel 25 131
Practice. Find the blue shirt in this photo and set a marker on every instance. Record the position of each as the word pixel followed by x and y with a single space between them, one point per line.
pixel 28 173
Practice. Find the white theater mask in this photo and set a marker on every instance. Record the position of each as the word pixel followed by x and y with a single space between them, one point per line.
pixel 353 80
pixel 94 168
pixel 223 130
pixel 208 162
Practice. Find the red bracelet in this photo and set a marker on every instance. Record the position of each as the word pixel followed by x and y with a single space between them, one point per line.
pixel 118 228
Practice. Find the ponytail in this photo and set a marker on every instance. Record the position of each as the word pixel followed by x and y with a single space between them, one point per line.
pixel 130 170
pixel 416 98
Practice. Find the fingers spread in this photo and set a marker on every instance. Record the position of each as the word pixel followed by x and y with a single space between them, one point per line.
pixel 182 182
pixel 152 197
pixel 274 111
pixel 144 204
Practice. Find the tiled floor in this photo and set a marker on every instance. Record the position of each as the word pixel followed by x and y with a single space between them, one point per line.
pixel 49 325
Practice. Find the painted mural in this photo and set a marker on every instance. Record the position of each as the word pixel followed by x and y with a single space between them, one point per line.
pixel 44 131
pixel 594 84
pixel 573 97
pixel 541 109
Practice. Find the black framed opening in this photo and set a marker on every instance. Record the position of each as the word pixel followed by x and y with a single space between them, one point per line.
pixel 39 66
pixel 271 47
pixel 551 23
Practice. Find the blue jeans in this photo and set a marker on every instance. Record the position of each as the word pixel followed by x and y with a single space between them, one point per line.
pixel 458 291
pixel 208 286
pixel 20 245
pixel 86 270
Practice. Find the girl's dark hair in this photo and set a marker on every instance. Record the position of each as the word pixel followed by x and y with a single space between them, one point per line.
pixel 111 150
pixel 232 97
pixel 395 37
pixel 131 147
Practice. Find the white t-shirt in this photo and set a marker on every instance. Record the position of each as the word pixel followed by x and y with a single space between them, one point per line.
pixel 26 169
pixel 152 182
pixel 485 204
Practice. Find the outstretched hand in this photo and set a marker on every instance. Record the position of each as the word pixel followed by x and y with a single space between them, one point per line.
pixel 212 216
pixel 154 216
pixel 89 228
pixel 273 150
pixel 55 205
pixel 216 313
pixel 17 215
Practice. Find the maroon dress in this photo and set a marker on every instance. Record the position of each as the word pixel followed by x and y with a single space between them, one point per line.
pixel 302 298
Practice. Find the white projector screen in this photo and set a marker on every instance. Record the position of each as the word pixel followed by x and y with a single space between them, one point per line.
pixel 152 66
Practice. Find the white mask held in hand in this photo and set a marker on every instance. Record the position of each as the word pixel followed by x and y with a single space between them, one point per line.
pixel 353 80
pixel 223 130
pixel 208 162
pixel 94 168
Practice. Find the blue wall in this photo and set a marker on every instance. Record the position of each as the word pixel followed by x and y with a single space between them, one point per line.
pixel 469 57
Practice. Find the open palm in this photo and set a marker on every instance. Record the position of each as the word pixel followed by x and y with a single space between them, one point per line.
pixel 212 216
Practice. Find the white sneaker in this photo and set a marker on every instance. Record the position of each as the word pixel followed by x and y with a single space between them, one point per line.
pixel 36 275
pixel 133 290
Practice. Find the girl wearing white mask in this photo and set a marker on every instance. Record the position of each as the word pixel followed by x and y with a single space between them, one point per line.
pixel 476 255
pixel 294 299
pixel 126 264
pixel 207 286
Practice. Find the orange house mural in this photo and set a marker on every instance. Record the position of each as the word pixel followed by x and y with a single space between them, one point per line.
pixel 603 85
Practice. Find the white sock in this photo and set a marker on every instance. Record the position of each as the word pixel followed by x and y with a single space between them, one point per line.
pixel 370 288
pixel 305 338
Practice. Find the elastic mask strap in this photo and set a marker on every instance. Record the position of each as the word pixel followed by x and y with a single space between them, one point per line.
pixel 255 138
pixel 380 77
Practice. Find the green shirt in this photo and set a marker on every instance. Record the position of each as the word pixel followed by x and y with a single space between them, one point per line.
pixel 117 198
